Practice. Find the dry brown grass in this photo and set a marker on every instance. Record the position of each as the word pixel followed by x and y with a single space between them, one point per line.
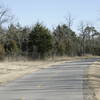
pixel 94 79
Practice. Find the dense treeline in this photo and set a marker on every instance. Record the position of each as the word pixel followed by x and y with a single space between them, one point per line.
pixel 40 42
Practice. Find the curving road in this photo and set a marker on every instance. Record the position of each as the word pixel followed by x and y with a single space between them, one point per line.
pixel 59 82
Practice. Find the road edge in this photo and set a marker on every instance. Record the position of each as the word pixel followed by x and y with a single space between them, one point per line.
pixel 91 79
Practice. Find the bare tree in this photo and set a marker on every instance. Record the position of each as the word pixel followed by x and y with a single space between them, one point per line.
pixel 82 34
pixel 4 15
pixel 69 20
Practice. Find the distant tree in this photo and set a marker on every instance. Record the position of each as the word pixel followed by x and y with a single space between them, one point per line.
pixel 11 47
pixel 40 39
pixel 25 40
pixel 2 52
pixel 64 39
pixel 59 37
pixel 12 32
pixel 87 36
pixel 82 37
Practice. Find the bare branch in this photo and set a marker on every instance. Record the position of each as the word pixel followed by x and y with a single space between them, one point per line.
pixel 4 15
pixel 69 20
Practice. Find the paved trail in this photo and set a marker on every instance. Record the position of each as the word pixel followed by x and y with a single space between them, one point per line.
pixel 60 82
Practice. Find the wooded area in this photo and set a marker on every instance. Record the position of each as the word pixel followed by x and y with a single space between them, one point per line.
pixel 38 42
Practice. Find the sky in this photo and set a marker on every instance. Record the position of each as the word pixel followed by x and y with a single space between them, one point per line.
pixel 53 12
